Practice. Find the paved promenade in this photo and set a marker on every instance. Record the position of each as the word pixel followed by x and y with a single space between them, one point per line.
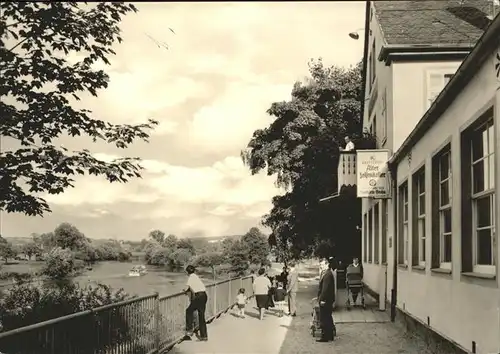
pixel 359 332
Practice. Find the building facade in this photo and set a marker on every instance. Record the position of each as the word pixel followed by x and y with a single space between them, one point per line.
pixel 436 237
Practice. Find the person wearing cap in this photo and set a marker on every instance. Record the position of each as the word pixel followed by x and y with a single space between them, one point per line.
pixel 198 291
pixel 326 299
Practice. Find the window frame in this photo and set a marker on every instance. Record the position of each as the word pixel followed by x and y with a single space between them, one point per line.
pixel 385 230
pixel 365 237
pixel 376 233
pixel 419 218
pixel 403 193
pixel 487 193
pixel 383 113
pixel 373 61
pixel 445 208
pixel 370 235
pixel 445 75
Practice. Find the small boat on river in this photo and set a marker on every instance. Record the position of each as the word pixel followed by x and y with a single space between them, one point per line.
pixel 137 271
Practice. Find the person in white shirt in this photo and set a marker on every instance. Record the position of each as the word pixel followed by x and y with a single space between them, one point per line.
pixel 261 286
pixel 349 145
pixel 198 303
pixel 241 301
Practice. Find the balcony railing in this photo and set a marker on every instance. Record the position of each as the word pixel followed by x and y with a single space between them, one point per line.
pixel 144 325
pixel 347 169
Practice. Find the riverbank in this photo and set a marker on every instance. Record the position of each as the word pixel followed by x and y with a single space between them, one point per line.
pixel 115 275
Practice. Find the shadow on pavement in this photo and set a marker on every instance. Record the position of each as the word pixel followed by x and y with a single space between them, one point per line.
pixel 352 338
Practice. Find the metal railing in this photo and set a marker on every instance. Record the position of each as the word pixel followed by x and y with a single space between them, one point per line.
pixel 347 169
pixel 143 325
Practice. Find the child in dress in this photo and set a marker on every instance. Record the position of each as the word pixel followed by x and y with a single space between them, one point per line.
pixel 241 301
pixel 279 299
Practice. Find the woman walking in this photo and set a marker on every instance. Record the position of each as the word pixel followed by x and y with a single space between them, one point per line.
pixel 270 303
pixel 261 287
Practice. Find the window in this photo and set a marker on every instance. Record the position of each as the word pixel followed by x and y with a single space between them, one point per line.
pixel 418 211
pixel 370 72
pixel 383 113
pixel 376 223
pixel 370 236
pixel 482 172
pixel 385 229
pixel 365 238
pixel 441 203
pixel 373 129
pixel 403 225
pixel 436 81
pixel 373 61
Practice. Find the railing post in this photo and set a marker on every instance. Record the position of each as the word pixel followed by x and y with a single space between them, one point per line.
pixel 157 322
pixel 229 294
pixel 215 299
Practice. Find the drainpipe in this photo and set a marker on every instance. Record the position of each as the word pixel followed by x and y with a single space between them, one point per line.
pixel 394 290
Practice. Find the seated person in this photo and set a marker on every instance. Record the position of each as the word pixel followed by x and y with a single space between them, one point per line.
pixel 354 276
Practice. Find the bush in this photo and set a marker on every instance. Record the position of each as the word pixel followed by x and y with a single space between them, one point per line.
pixel 59 263
pixel 16 276
pixel 24 305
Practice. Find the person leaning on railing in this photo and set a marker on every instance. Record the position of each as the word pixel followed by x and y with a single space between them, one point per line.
pixel 198 302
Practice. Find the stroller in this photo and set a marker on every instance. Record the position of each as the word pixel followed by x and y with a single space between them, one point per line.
pixel 316 330
pixel 354 285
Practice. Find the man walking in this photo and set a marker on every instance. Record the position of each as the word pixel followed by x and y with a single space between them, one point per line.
pixel 292 287
pixel 326 299
pixel 198 303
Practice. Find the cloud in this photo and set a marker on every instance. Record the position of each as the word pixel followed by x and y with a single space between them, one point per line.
pixel 168 192
pixel 224 66
pixel 228 123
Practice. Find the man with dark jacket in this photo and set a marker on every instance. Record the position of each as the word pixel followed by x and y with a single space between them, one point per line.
pixel 326 298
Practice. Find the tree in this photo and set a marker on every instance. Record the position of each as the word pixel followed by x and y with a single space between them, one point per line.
pixel 159 256
pixel 149 249
pixel 68 236
pixel 226 244
pixel 87 253
pixel 59 263
pixel 170 242
pixel 180 257
pixel 301 148
pixel 38 91
pixel 186 244
pixel 7 251
pixel 158 236
pixel 46 241
pixel 257 244
pixel 31 249
pixel 238 257
pixel 210 260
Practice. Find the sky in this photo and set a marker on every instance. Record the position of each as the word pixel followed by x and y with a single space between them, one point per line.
pixel 224 66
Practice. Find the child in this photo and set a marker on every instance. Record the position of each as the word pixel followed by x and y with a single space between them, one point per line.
pixel 279 299
pixel 241 301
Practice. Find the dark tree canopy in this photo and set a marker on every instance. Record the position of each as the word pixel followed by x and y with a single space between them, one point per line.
pixel 37 93
pixel 301 148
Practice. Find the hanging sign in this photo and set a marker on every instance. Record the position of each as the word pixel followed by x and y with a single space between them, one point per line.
pixel 372 174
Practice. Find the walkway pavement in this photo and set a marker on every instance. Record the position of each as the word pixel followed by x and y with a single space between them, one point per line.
pixel 359 332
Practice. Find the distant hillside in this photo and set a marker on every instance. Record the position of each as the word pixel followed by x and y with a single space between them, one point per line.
pixel 18 240
pixel 23 240
pixel 216 238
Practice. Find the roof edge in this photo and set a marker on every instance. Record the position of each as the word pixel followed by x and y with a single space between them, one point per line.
pixel 469 67
pixel 365 62
pixel 386 50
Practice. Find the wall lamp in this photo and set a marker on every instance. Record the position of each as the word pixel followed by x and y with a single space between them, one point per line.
pixel 355 34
